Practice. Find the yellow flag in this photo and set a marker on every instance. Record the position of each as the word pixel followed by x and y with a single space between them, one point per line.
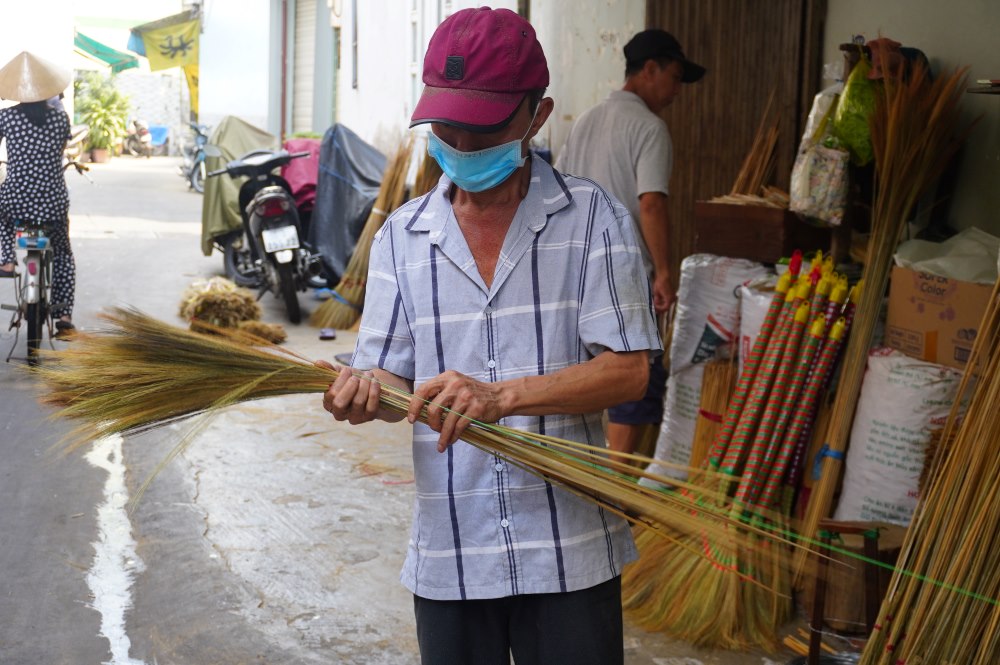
pixel 191 74
pixel 173 46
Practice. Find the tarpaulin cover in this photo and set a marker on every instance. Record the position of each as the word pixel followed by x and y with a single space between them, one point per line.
pixel 220 210
pixel 302 173
pixel 350 172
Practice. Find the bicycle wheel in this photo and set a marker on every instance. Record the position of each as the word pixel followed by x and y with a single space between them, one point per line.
pixel 36 315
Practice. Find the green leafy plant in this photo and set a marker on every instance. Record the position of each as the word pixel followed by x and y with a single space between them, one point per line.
pixel 103 108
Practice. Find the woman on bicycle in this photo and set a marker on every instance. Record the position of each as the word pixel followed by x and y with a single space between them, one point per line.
pixel 36 132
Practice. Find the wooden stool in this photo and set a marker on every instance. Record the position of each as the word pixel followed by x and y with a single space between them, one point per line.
pixel 827 530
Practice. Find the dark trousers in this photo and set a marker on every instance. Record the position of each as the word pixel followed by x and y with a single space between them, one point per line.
pixel 577 628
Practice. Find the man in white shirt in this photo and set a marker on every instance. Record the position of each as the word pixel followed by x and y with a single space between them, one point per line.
pixel 624 145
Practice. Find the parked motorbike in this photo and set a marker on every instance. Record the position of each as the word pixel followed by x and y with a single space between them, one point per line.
pixel 193 169
pixel 269 252
pixel 138 142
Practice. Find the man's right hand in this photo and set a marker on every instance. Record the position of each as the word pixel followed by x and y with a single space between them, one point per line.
pixel 663 292
pixel 353 397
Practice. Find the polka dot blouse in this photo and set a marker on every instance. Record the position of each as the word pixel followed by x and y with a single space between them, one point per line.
pixel 35 187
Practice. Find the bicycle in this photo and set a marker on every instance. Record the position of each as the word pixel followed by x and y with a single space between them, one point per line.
pixel 33 287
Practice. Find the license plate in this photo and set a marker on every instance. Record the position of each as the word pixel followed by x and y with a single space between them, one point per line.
pixel 283 237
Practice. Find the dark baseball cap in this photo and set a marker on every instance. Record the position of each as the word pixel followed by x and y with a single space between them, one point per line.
pixel 656 43
pixel 480 64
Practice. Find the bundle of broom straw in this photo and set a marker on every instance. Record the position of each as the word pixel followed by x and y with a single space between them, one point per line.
pixel 140 373
pixel 915 132
pixel 717 385
pixel 943 603
pixel 344 308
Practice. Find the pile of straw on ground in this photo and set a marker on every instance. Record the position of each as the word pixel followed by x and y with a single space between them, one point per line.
pixel 209 304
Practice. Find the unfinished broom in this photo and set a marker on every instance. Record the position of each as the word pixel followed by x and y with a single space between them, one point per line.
pixel 141 373
pixel 914 136
pixel 344 308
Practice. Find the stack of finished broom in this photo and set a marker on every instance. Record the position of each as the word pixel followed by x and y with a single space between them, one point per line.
pixel 738 595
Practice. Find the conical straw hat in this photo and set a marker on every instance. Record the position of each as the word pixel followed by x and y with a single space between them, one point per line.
pixel 28 78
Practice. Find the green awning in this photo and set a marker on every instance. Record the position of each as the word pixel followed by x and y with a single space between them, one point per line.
pixel 118 60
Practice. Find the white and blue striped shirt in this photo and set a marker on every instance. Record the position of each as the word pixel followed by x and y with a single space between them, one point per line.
pixel 569 285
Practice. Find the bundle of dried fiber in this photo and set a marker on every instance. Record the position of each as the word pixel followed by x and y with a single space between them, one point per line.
pixel 915 130
pixel 428 175
pixel 218 302
pixel 717 386
pixel 344 308
pixel 943 603
pixel 272 332
pixel 140 373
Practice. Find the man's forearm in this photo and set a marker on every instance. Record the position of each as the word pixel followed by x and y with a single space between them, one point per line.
pixel 608 379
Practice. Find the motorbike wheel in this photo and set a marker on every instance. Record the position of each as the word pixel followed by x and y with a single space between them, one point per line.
pixel 238 261
pixel 198 178
pixel 35 314
pixel 289 293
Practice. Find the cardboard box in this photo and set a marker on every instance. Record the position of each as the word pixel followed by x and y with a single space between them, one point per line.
pixel 753 232
pixel 934 318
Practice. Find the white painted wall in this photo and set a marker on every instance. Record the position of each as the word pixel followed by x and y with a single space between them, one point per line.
pixel 951 34
pixel 234 61
pixel 583 45
pixel 379 108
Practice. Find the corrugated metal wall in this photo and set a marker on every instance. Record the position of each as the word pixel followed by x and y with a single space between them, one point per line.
pixel 750 47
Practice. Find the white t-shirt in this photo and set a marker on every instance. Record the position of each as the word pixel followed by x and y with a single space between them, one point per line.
pixel 625 148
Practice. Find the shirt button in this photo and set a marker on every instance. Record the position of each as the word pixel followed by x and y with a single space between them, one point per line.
pixel 504 523
pixel 491 364
pixel 498 466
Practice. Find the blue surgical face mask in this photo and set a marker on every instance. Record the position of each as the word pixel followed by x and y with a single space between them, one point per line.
pixel 479 170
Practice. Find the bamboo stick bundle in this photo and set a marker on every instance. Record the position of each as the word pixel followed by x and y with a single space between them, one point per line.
pixel 943 603
pixel 913 137
pixel 344 308
pixel 717 386
pixel 758 165
pixel 141 373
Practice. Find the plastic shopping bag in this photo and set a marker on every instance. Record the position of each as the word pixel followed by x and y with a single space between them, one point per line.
pixel 819 184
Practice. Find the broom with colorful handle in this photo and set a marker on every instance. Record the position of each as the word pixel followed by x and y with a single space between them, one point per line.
pixel 753 409
pixel 790 405
pixel 802 416
pixel 834 309
pixel 785 377
pixel 749 372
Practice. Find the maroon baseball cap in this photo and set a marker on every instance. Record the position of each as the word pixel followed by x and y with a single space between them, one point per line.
pixel 479 65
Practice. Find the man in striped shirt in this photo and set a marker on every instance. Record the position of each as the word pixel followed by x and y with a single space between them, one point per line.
pixel 512 295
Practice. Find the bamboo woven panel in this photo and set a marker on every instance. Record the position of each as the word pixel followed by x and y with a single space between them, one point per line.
pixel 750 47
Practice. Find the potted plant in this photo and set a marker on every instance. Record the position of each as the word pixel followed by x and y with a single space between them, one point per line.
pixel 105 111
